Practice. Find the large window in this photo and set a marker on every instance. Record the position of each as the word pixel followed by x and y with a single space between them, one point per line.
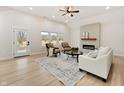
pixel 60 38
pixel 45 38
pixel 55 38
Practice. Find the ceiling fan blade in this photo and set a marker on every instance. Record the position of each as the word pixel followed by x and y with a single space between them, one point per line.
pixel 61 10
pixel 74 11
pixel 71 15
pixel 63 14
pixel 68 8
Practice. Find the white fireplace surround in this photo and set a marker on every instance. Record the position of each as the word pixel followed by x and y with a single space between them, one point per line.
pixel 93 38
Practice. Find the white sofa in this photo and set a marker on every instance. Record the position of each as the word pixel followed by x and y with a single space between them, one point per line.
pixel 100 65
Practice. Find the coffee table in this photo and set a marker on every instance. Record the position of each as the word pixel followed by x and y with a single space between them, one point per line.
pixel 74 54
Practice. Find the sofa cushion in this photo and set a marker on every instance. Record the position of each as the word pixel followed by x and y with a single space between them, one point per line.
pixel 103 51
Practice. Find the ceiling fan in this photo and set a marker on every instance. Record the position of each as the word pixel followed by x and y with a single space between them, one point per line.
pixel 69 11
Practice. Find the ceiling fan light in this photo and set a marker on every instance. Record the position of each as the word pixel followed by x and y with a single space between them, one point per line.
pixel 53 17
pixel 68 14
pixel 107 8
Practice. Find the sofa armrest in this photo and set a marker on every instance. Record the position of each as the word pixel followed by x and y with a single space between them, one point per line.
pixel 95 66
pixel 99 66
pixel 87 58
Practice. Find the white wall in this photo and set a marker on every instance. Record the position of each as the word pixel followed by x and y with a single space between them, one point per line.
pixel 34 24
pixel 112 30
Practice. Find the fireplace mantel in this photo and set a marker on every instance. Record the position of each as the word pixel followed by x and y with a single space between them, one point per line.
pixel 88 39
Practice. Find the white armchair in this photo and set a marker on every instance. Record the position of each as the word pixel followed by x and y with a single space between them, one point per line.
pixel 100 65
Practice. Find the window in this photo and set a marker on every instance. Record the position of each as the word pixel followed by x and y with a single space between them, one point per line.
pixel 60 38
pixel 55 38
pixel 45 38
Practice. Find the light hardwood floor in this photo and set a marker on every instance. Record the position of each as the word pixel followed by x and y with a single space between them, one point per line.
pixel 25 71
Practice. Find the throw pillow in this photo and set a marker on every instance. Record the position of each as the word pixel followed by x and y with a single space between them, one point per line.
pixel 93 54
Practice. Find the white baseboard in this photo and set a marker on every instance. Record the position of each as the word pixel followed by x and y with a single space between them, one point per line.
pixel 118 55
pixel 5 58
pixel 36 53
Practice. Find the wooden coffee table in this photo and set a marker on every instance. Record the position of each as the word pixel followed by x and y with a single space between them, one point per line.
pixel 74 54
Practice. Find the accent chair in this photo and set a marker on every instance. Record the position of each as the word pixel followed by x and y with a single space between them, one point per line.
pixel 52 50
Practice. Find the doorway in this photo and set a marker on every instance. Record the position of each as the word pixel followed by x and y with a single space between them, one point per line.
pixel 21 42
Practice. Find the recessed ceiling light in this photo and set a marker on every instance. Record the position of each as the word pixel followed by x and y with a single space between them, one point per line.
pixel 30 8
pixel 107 8
pixel 53 16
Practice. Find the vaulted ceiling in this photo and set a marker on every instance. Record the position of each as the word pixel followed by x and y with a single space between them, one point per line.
pixel 52 12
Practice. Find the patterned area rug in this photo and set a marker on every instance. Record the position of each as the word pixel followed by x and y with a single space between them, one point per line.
pixel 66 71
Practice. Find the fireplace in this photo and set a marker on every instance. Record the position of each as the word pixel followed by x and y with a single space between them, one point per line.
pixel 89 47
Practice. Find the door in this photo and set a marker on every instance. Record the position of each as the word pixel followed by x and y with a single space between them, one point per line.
pixel 21 42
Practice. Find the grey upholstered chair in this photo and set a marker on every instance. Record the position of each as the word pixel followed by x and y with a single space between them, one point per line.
pixel 56 50
pixel 67 47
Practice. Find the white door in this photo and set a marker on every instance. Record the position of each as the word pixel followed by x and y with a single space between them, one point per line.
pixel 21 42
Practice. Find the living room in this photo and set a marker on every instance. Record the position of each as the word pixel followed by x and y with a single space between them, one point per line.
pixel 39 27
pixel 111 21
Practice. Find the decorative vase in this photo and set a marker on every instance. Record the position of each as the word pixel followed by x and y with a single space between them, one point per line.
pixel 83 35
pixel 87 35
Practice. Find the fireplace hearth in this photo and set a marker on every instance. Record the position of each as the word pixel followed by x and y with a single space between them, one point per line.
pixel 89 47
